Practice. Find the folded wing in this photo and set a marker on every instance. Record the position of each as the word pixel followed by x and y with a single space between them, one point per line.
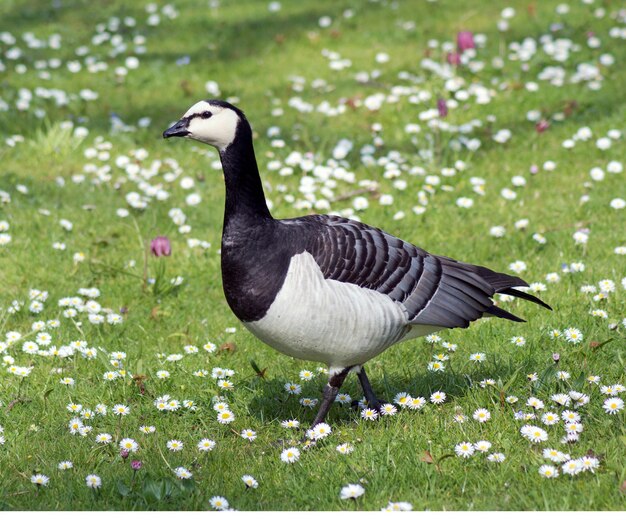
pixel 434 290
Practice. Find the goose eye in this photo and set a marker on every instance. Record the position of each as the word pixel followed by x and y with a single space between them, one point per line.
pixel 206 114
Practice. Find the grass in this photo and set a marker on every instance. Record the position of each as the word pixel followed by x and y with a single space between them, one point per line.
pixel 252 53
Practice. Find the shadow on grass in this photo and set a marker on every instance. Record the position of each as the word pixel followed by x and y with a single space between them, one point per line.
pixel 272 402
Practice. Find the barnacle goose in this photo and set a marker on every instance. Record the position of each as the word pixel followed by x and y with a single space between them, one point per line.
pixel 324 288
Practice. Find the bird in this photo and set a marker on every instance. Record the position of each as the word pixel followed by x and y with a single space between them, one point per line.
pixel 325 288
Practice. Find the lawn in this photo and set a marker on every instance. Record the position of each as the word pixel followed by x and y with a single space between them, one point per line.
pixel 502 147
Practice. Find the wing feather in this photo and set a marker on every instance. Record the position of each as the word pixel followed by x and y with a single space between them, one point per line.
pixel 433 290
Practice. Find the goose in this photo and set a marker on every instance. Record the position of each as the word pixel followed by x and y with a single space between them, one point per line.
pixel 324 288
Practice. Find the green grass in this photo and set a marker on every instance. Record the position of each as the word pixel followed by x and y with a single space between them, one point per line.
pixel 252 54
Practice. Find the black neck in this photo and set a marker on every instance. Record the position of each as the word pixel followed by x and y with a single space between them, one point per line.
pixel 245 199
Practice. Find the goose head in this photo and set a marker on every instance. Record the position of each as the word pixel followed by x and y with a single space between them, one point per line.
pixel 213 122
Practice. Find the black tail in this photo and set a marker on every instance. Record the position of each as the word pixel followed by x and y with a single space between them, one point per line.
pixel 503 284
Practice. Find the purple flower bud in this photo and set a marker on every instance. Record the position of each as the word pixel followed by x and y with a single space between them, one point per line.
pixel 124 453
pixel 135 464
pixel 453 58
pixel 160 246
pixel 465 40
pixel 556 357
pixel 542 126
pixel 534 169
pixel 442 107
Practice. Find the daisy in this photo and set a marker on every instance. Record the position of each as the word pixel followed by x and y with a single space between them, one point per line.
pixel 520 341
pixel 570 416
pixel 182 473
pixel 555 455
pixel 436 367
pixel 561 399
pixel 250 481
pixel 589 463
pixel 548 471
pixel 369 414
pixel 416 403
pixel 613 405
pixel 607 389
pixel 75 424
pixel 306 376
pixel 402 399
pixel 461 419
pixel 248 434
pixel 39 480
pixel 438 397
pixel 496 457
pixel 345 449
pixel 534 434
pixel 573 335
pixel 351 491
pixel 483 446
pixel 535 403
pixel 550 419
pixel 74 408
pixel 146 430
pixel 554 333
pixel 388 410
pixel 573 427
pixel 511 399
pixel 343 398
pixel 481 415
pixel 128 444
pixel 477 357
pixel 206 444
pixel 464 449
pixel 103 438
pixel 93 481
pixel 84 431
pixel 293 388
pixel 225 417
pixel 398 506
pixel 226 385
pixel 572 467
pixel 290 424
pixel 321 430
pixel 450 346
pixel 220 406
pixel 121 410
pixel 218 503
pixel 290 455
pixel 175 445
pixel 67 381
pixel 65 465
pixel 308 402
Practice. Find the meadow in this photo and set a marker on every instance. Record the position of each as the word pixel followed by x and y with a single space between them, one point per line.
pixel 491 132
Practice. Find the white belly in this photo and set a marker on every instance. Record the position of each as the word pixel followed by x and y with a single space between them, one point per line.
pixel 339 324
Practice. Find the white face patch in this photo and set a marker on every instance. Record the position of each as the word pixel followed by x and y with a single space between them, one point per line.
pixel 218 130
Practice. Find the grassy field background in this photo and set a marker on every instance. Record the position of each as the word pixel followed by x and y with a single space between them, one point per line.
pixel 264 58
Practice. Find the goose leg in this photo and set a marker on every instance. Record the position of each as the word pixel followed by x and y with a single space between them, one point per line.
pixel 372 399
pixel 330 392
